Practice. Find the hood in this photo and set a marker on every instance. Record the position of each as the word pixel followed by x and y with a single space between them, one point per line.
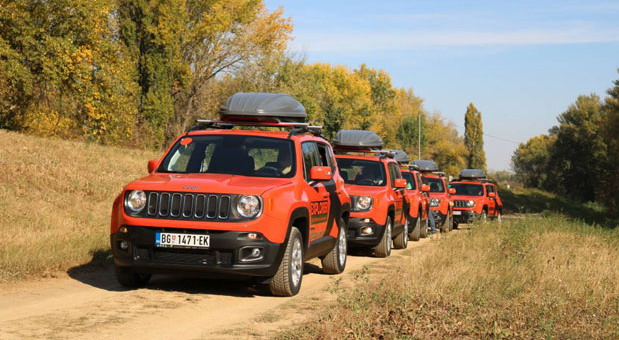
pixel 364 190
pixel 208 183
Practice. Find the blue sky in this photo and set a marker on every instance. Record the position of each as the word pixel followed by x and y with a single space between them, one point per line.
pixel 520 62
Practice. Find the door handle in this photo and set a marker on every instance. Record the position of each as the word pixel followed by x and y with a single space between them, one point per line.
pixel 325 195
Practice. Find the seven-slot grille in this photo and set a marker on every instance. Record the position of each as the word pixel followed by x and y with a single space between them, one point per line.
pixel 460 204
pixel 187 206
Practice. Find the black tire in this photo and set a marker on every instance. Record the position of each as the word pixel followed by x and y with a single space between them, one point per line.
pixel 334 263
pixel 445 227
pixel 401 241
pixel 287 280
pixel 415 234
pixel 383 249
pixel 423 232
pixel 127 277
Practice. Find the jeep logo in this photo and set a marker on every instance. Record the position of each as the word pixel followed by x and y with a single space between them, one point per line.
pixel 191 187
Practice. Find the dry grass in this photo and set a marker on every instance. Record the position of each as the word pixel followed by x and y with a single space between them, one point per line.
pixel 56 197
pixel 530 278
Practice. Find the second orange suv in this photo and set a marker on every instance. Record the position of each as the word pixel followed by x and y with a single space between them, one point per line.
pixel 376 188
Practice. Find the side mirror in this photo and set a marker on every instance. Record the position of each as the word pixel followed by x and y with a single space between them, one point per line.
pixel 152 165
pixel 491 195
pixel 400 183
pixel 425 188
pixel 452 191
pixel 321 173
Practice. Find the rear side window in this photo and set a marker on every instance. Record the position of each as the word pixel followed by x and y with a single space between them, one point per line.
pixel 489 189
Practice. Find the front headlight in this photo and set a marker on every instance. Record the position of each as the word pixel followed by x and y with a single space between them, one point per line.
pixel 435 202
pixel 248 206
pixel 362 203
pixel 136 201
pixel 470 204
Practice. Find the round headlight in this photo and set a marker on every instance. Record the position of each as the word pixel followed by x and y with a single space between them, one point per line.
pixel 435 202
pixel 248 206
pixel 363 203
pixel 470 204
pixel 136 201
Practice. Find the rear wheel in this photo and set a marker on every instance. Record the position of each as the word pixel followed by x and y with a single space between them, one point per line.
pixel 415 234
pixel 383 249
pixel 401 241
pixel 287 280
pixel 424 228
pixel 446 224
pixel 335 261
pixel 127 277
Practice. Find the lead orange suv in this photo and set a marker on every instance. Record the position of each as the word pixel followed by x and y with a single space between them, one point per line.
pixel 441 206
pixel 417 200
pixel 376 186
pixel 476 198
pixel 225 202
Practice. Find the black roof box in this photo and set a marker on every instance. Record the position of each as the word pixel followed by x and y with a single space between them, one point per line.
pixel 280 107
pixel 400 156
pixel 425 165
pixel 472 173
pixel 357 139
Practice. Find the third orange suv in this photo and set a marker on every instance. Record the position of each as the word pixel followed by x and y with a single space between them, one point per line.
pixel 441 206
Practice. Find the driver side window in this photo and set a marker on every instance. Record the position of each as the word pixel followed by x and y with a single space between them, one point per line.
pixel 311 158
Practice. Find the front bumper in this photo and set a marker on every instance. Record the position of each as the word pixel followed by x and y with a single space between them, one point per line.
pixel 222 259
pixel 465 216
pixel 354 237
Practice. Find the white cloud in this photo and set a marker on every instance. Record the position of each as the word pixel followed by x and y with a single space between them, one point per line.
pixel 386 41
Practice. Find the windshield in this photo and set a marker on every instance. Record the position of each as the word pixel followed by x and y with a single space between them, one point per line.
pixel 410 181
pixel 436 184
pixel 468 189
pixel 231 154
pixel 362 172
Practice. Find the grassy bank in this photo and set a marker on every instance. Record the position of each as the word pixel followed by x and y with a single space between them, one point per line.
pixel 534 277
pixel 56 199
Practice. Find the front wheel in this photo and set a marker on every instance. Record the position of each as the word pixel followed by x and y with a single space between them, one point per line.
pixel 127 277
pixel 383 249
pixel 401 241
pixel 415 234
pixel 287 280
pixel 335 261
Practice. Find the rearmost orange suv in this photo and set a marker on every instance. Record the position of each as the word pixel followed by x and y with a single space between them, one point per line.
pixel 376 188
pixel 243 203
pixel 476 198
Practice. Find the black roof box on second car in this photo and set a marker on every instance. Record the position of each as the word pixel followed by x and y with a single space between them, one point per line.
pixel 472 173
pixel 425 165
pixel 400 156
pixel 280 107
pixel 357 139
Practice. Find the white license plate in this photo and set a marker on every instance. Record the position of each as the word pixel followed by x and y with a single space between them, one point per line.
pixel 173 240
pixel 457 212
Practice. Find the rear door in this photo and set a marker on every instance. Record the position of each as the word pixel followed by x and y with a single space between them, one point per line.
pixel 394 172
pixel 491 201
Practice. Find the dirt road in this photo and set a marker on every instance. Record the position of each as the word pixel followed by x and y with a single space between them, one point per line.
pixel 93 305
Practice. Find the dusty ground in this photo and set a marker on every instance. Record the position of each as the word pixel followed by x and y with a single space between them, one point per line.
pixel 93 305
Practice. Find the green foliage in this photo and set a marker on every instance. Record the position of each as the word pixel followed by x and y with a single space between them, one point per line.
pixel 530 161
pixel 412 133
pixel 474 138
pixel 610 163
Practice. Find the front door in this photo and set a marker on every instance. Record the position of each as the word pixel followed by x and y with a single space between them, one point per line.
pixel 318 195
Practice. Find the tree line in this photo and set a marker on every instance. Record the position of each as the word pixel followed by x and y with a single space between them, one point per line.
pixel 579 157
pixel 139 72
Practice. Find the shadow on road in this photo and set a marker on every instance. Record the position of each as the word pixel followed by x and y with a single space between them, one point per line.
pixel 99 273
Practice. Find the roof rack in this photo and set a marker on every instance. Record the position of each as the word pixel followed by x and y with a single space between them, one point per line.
pixel 400 156
pixel 379 153
pixel 296 128
pixel 425 165
pixel 357 140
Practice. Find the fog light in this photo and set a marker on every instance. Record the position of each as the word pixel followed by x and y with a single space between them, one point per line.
pixel 367 231
pixel 366 220
pixel 251 254
pixel 252 236
pixel 124 245
pixel 123 230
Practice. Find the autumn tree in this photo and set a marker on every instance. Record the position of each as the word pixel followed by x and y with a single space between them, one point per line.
pixel 609 193
pixel 530 161
pixel 474 139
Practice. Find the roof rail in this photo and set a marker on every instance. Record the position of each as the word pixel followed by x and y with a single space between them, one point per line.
pixel 296 128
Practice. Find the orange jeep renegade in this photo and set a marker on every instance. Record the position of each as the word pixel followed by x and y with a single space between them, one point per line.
pixel 226 202
pixel 475 197
pixel 417 200
pixel 376 189
pixel 441 206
